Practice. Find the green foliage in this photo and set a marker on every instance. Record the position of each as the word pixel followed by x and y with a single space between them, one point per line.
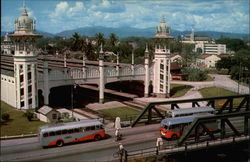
pixel 5 116
pixel 29 114
pixel 18 123
pixel 195 74
pixel 232 44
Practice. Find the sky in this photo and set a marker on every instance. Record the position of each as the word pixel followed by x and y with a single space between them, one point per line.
pixel 55 16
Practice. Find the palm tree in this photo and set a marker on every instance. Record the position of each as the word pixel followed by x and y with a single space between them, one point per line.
pixel 112 39
pixel 99 39
pixel 76 43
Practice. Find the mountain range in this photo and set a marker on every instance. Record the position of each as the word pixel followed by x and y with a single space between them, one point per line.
pixel 124 32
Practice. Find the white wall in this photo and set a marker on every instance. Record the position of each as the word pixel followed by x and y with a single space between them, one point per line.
pixel 8 93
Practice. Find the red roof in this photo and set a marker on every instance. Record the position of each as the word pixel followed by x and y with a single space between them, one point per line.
pixel 203 56
pixel 224 55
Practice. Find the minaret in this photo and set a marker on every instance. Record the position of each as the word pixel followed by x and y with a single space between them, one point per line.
pixel 25 62
pixel 161 80
pixel 192 35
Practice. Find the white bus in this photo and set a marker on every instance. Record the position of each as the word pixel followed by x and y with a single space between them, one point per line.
pixel 62 133
pixel 189 111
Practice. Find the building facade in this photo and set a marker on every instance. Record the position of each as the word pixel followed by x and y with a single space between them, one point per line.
pixel 7 46
pixel 211 48
pixel 25 62
pixel 207 60
pixel 161 66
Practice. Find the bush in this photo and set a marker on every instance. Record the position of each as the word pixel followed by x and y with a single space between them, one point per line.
pixel 195 74
pixel 5 116
pixel 29 114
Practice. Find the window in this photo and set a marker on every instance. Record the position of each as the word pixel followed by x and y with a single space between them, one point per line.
pixel 30 101
pixel 77 130
pixel 29 75
pixel 54 116
pixel 59 132
pixel 161 76
pixel 51 133
pixel 29 67
pixel 22 91
pixel 92 128
pixel 70 130
pixel 161 66
pixel 29 88
pixel 22 104
pixel 45 134
pixel 21 78
pixel 64 131
pixel 87 128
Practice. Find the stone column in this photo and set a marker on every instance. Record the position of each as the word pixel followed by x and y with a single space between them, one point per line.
pixel 46 82
pixel 84 66
pixel 133 63
pixel 147 79
pixel 26 84
pixel 34 85
pixel 117 65
pixel 18 87
pixel 101 73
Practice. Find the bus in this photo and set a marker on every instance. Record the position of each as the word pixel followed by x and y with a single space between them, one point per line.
pixel 189 111
pixel 62 133
pixel 173 128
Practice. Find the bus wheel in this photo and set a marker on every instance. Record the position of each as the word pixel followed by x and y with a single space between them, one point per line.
pixel 97 137
pixel 59 143
pixel 174 137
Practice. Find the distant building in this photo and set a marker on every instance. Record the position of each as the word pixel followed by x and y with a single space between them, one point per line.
pixel 211 48
pixel 207 60
pixel 175 58
pixel 192 38
pixel 7 46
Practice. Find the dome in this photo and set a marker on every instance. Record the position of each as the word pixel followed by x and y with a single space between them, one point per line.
pixel 24 23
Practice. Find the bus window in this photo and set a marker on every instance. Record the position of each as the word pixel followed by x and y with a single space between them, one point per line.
pixel 87 128
pixel 92 128
pixel 51 133
pixel 58 132
pixel 76 130
pixel 70 130
pixel 45 134
pixel 64 131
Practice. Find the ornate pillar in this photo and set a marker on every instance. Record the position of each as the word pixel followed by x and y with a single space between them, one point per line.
pixel 101 73
pixel 133 62
pixel 84 66
pixel 117 65
pixel 147 79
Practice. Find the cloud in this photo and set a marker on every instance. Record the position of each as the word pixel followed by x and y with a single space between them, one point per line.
pixel 108 6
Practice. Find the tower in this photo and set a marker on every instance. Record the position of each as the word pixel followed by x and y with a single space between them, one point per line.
pixel 25 61
pixel 161 80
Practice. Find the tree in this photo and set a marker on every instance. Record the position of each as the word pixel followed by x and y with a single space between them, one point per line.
pixel 112 39
pixel 76 42
pixel 99 37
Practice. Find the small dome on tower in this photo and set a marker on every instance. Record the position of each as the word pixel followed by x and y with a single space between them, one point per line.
pixel 24 22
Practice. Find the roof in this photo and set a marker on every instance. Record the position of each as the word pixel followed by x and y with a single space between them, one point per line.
pixel 174 66
pixel 224 55
pixel 69 125
pixel 45 110
pixel 203 56
pixel 192 110
pixel 183 119
pixel 173 55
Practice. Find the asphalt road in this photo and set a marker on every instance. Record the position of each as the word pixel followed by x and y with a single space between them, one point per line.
pixel 137 138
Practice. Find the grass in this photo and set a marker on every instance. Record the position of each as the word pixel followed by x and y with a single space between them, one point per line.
pixel 209 78
pixel 18 124
pixel 125 113
pixel 217 92
pixel 178 90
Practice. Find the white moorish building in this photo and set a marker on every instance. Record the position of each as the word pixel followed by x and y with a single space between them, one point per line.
pixel 27 83
pixel 21 86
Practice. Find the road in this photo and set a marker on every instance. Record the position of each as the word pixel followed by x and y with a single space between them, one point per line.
pixel 29 149
pixel 137 138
